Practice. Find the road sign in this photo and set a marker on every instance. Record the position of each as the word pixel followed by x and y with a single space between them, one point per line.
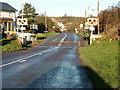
pixel 81 25
pixel 22 28
pixel 23 21
pixel 92 28
pixel 33 26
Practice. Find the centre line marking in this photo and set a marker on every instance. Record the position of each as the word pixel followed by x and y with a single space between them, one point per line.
pixel 23 61
pixel 40 54
pixel 62 40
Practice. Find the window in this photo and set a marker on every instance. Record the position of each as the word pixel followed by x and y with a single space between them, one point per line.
pixel 11 14
pixel 0 13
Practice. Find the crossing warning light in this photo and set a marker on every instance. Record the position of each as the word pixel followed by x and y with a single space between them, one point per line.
pixel 92 21
pixel 23 21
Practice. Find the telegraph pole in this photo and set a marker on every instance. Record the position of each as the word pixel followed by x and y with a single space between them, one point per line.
pixel 98 14
pixel 85 13
pixel 89 11
pixel 85 18
pixel 45 21
pixel 98 7
pixel 22 14
pixel 22 10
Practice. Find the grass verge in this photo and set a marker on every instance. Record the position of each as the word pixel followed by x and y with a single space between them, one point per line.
pixel 8 45
pixel 84 34
pixel 46 35
pixel 12 46
pixel 86 38
pixel 103 59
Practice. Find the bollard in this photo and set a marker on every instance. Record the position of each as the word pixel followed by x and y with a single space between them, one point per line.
pixel 24 41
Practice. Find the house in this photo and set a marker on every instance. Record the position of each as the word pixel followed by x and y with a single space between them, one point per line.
pixel 61 25
pixel 7 17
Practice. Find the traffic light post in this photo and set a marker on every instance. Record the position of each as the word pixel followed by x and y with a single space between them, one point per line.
pixel 21 22
pixel 90 24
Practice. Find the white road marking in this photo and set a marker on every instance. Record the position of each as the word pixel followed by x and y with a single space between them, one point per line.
pixel 62 40
pixel 40 54
pixel 55 39
pixel 23 61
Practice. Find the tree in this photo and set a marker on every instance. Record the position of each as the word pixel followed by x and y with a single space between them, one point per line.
pixel 41 21
pixel 109 18
pixel 28 11
pixel 109 22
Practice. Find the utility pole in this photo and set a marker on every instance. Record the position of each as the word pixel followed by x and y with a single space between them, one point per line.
pixel 45 21
pixel 98 7
pixel 85 13
pixel 89 11
pixel 85 18
pixel 22 10
pixel 22 14
pixel 98 14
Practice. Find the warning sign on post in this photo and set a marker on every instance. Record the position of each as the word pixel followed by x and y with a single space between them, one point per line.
pixel 92 28
pixel 92 21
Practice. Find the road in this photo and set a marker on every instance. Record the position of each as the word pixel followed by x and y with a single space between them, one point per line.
pixel 53 64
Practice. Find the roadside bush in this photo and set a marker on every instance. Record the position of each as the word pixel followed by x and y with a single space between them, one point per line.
pixel 3 35
pixel 112 34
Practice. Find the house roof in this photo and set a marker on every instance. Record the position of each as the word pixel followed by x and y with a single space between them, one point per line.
pixel 6 7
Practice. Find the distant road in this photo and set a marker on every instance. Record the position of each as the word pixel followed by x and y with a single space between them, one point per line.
pixel 54 64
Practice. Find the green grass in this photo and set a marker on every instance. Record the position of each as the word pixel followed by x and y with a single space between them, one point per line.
pixel 50 34
pixel 103 59
pixel 12 46
pixel 84 34
pixel 85 37
pixel 45 35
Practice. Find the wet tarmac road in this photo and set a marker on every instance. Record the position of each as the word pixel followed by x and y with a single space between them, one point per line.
pixel 54 64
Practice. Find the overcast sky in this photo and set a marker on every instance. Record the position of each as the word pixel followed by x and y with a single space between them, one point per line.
pixel 61 7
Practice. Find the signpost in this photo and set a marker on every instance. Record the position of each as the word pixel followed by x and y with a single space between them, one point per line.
pixel 92 28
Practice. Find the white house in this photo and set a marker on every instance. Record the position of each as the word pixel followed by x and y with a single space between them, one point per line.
pixel 7 17
pixel 61 25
